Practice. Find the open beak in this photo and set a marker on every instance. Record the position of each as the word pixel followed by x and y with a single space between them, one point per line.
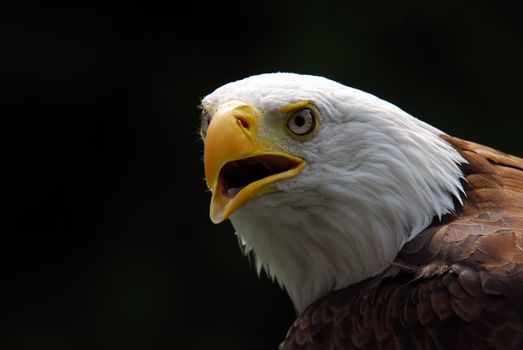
pixel 239 166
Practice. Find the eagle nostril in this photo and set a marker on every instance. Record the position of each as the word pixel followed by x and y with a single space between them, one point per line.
pixel 243 122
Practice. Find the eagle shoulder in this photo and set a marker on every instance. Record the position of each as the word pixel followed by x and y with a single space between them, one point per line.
pixel 458 284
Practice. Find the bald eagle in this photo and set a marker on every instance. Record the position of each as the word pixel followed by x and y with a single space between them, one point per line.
pixel 386 232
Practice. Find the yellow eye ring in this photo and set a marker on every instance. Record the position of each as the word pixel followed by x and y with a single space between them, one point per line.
pixel 302 123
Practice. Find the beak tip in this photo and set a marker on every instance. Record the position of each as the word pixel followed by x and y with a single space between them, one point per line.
pixel 215 214
pixel 216 219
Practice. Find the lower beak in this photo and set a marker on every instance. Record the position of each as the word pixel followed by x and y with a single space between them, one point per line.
pixel 238 166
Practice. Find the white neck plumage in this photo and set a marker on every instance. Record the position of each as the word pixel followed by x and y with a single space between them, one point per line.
pixel 338 223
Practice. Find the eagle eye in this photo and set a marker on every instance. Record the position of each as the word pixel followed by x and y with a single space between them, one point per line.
pixel 301 122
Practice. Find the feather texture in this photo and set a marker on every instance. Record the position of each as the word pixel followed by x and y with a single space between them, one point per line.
pixel 456 285
pixel 394 235
pixel 375 177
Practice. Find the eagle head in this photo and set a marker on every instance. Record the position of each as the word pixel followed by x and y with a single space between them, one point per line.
pixel 323 183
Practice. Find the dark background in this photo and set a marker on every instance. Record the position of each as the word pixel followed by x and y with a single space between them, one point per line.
pixel 112 246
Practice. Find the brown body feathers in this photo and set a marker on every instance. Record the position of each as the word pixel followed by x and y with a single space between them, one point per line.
pixel 457 285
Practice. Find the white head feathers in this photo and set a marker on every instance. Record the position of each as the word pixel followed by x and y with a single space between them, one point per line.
pixel 375 177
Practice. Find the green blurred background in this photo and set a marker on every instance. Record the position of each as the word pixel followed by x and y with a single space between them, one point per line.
pixel 112 246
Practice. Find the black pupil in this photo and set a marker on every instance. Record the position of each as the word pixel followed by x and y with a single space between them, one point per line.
pixel 299 120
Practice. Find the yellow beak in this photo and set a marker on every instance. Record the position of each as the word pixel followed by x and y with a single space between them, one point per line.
pixel 238 166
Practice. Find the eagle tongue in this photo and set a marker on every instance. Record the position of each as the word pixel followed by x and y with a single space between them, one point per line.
pixel 233 191
pixel 247 168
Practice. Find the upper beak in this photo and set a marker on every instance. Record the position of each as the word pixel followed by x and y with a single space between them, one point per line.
pixel 239 166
